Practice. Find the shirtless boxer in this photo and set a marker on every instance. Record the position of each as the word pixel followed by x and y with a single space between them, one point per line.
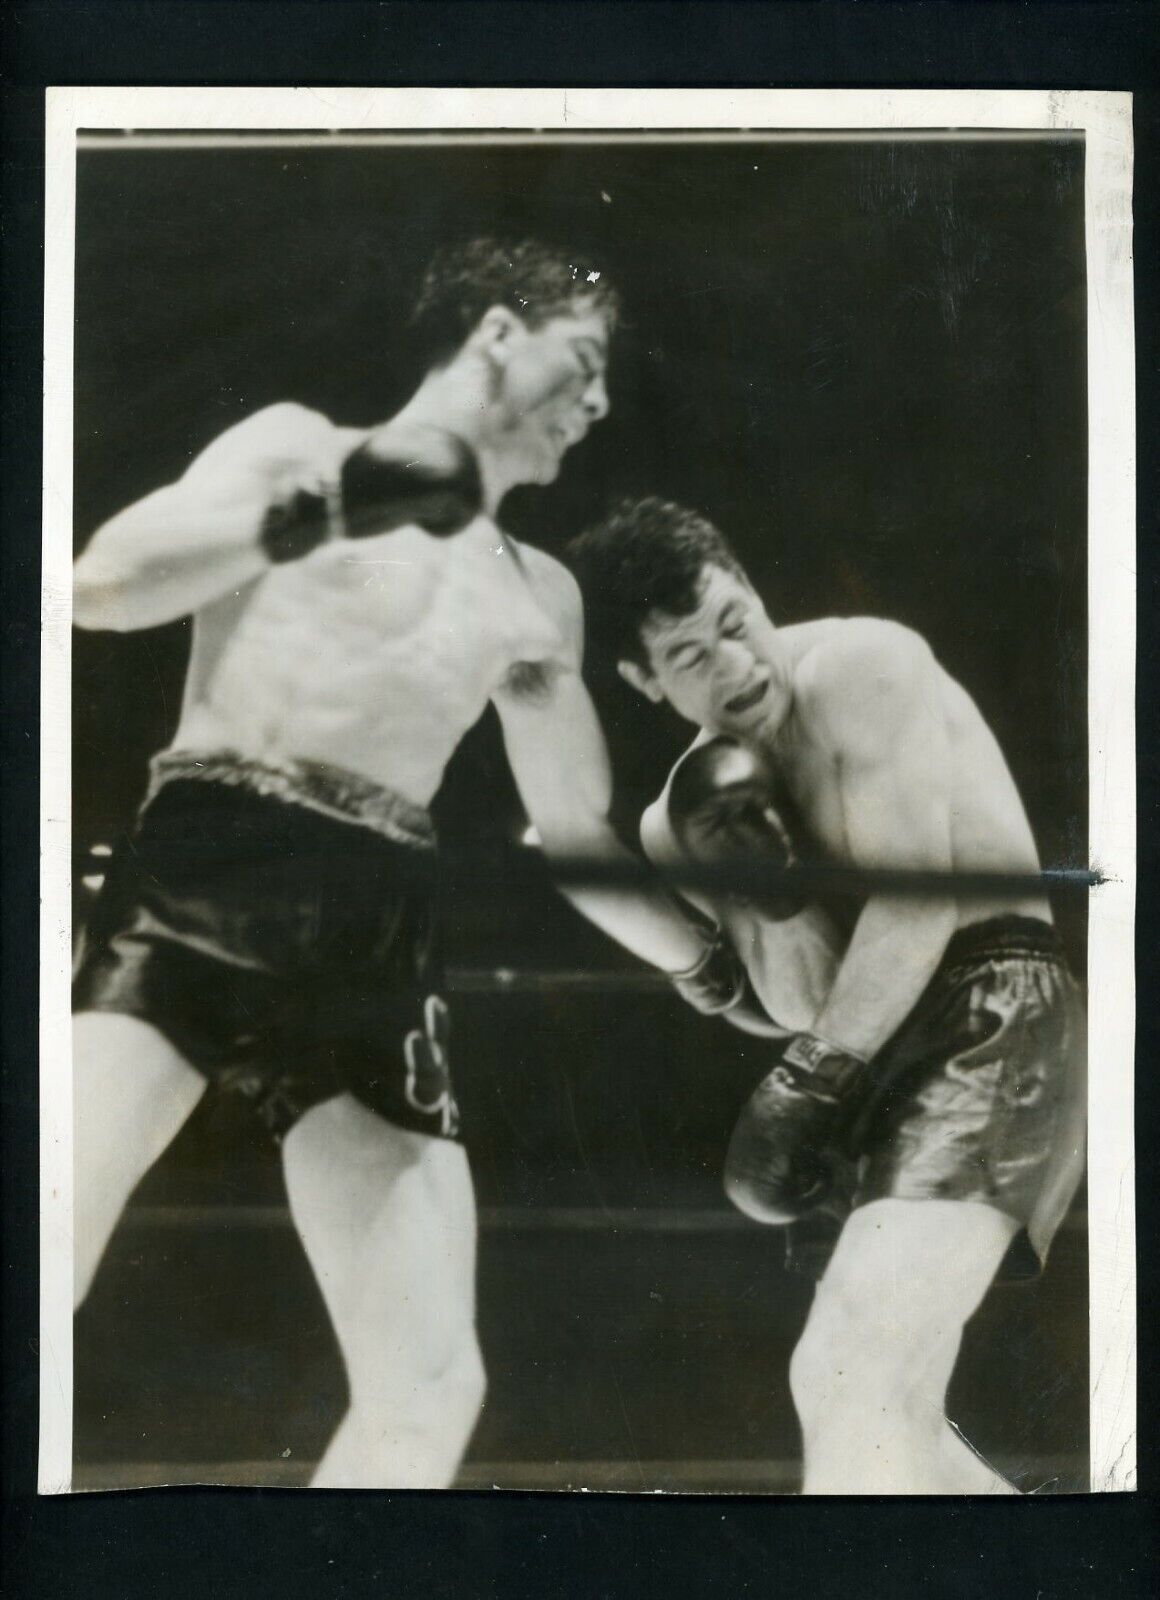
pixel 928 1084
pixel 268 924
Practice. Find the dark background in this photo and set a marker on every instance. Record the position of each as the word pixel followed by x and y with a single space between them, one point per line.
pixel 865 359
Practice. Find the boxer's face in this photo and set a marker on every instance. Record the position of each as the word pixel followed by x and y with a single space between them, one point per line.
pixel 549 388
pixel 721 667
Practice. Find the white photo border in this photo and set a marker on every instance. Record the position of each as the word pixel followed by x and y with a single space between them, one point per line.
pixel 357 115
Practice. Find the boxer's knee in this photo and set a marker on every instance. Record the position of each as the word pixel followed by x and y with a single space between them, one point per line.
pixel 441 1383
pixel 461 1385
pixel 408 1424
pixel 850 1359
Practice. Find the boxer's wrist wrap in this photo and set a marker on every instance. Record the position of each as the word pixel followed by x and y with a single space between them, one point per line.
pixel 820 1069
pixel 716 982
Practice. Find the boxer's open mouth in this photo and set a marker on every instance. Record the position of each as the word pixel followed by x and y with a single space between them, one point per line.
pixel 564 438
pixel 747 699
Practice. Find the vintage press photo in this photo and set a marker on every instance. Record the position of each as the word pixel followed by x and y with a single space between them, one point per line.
pixel 588 807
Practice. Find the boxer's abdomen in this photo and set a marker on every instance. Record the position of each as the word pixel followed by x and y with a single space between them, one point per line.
pixel 374 655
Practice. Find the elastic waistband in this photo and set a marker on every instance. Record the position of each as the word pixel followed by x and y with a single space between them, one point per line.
pixel 999 939
pixel 330 791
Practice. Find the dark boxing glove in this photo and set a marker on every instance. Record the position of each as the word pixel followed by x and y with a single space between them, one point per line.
pixel 402 475
pixel 410 474
pixel 786 1147
pixel 722 813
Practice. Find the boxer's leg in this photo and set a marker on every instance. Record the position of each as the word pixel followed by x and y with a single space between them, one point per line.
pixel 870 1373
pixel 387 1218
pixel 131 1093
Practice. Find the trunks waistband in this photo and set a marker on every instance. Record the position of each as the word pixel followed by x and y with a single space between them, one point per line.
pixel 331 791
pixel 998 939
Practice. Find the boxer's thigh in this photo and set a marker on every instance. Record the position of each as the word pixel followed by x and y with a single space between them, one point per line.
pixel 914 1269
pixel 132 1090
pixel 387 1219
pixel 996 1118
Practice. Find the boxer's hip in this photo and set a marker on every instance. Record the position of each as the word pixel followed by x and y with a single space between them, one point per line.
pixel 284 869
pixel 981 1095
pixel 1002 997
pixel 308 786
pixel 261 914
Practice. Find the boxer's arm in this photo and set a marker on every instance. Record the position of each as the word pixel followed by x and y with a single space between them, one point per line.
pixel 660 846
pixel 878 700
pixel 750 1013
pixel 559 760
pixel 790 960
pixel 196 540
pixel 560 763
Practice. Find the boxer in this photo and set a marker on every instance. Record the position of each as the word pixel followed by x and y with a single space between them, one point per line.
pixel 267 926
pixel 927 1084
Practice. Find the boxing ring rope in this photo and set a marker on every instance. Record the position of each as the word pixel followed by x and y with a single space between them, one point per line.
pixel 511 1219
pixel 756 878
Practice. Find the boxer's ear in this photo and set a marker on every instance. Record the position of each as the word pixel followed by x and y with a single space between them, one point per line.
pixel 643 682
pixel 496 332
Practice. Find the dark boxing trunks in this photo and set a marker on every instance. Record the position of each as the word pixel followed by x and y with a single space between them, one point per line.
pixel 275 923
pixel 980 1095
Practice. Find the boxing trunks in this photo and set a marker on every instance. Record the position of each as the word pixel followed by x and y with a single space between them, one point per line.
pixel 275 923
pixel 980 1095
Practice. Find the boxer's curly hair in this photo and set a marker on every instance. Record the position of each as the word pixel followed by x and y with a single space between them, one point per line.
pixel 643 556
pixel 535 280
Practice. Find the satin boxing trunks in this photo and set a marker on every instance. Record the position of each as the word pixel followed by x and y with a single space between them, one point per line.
pixel 276 924
pixel 980 1095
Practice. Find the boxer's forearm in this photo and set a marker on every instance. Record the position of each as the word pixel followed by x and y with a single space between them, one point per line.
pixel 201 538
pixel 892 956
pixel 166 557
pixel 643 917
pixel 792 962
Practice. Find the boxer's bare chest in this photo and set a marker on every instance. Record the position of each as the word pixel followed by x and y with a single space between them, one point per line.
pixel 384 644
pixel 810 797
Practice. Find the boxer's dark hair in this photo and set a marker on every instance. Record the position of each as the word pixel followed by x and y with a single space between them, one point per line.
pixel 535 280
pixel 644 556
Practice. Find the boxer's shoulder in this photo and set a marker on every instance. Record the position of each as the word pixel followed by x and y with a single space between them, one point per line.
pixel 555 590
pixel 855 661
pixel 280 435
pixel 550 579
pixel 845 645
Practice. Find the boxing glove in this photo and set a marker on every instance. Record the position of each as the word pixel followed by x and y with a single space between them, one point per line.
pixel 722 813
pixel 401 475
pixel 786 1146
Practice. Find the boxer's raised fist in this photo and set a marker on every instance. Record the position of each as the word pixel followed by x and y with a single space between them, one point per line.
pixel 403 474
pixel 410 473
pixel 722 812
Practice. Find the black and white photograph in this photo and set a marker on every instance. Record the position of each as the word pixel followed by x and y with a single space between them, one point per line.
pixel 588 827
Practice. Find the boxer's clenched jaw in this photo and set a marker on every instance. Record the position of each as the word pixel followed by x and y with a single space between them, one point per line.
pixel 547 389
pixel 721 667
